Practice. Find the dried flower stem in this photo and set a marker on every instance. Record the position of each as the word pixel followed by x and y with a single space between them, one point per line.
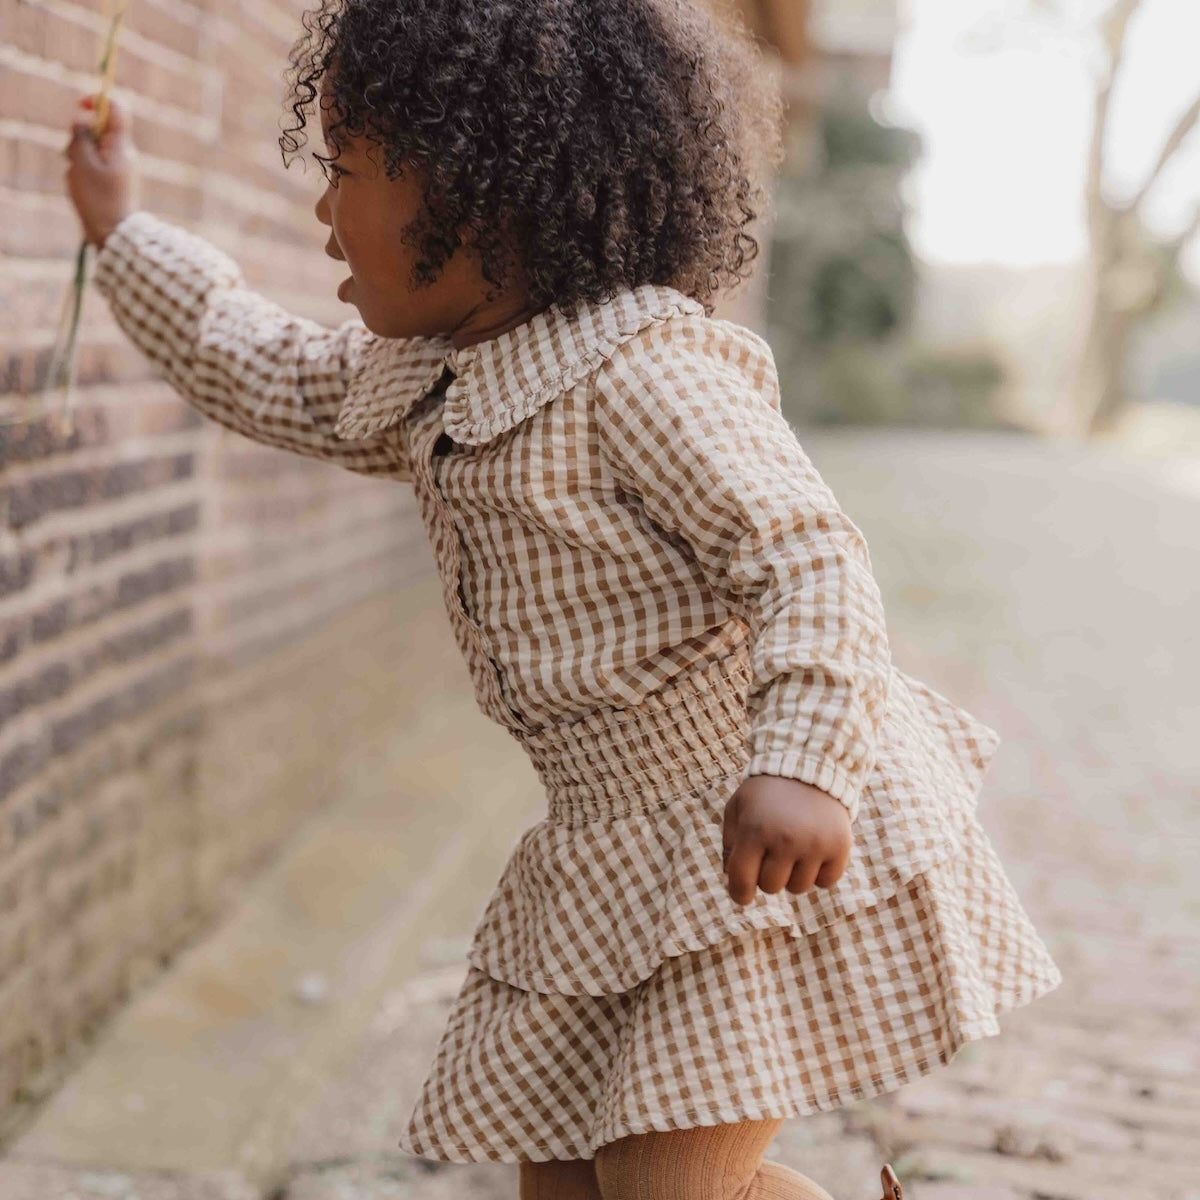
pixel 61 371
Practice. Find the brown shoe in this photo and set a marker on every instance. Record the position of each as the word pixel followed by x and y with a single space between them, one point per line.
pixel 891 1185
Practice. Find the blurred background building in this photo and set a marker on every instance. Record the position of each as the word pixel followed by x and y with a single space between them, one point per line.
pixel 814 45
pixel 988 216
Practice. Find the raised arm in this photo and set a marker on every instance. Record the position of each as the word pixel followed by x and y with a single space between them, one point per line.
pixel 240 359
pixel 689 422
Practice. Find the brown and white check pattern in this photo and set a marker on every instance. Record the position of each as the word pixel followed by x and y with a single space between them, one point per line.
pixel 657 595
pixel 767 1024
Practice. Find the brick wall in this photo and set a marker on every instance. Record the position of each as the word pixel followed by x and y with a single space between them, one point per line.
pixel 172 597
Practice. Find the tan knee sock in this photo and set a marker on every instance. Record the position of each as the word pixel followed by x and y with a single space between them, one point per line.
pixel 558 1179
pixel 709 1162
pixel 774 1181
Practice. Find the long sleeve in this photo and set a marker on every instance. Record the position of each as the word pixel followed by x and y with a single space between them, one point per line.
pixel 231 353
pixel 690 424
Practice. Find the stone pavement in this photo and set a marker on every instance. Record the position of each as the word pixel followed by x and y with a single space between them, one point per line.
pixel 1051 590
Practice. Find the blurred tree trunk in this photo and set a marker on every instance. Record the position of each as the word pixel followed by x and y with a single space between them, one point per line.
pixel 1130 273
pixel 782 25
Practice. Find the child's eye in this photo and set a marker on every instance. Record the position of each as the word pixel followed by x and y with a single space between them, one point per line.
pixel 331 170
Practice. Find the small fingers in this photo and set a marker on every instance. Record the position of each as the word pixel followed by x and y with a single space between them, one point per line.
pixel 84 123
pixel 804 874
pixel 777 871
pixel 742 868
pixel 835 867
pixel 832 871
pixel 80 142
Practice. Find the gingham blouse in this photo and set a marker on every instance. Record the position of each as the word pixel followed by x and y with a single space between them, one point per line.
pixel 654 590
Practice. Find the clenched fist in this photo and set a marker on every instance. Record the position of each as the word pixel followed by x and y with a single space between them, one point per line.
pixel 780 833
pixel 102 179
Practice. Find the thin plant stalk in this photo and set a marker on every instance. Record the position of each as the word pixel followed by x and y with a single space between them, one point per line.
pixel 61 371
pixel 60 374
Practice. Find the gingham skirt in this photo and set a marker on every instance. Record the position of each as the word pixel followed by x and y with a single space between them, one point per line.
pixel 761 1024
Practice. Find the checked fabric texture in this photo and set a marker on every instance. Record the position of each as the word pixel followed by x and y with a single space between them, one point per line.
pixel 657 595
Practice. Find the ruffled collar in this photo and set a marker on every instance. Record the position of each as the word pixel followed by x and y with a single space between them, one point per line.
pixel 506 379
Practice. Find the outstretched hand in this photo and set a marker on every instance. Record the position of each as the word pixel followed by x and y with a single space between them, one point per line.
pixel 781 833
pixel 102 179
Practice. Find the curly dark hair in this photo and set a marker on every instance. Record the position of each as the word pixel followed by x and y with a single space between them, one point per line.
pixel 608 143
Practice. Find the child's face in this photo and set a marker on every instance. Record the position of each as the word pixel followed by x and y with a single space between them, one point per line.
pixel 368 214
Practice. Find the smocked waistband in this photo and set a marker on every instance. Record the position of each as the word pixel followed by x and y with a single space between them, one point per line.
pixel 680 739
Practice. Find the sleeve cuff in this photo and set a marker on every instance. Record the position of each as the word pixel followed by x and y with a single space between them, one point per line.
pixel 142 244
pixel 122 237
pixel 821 773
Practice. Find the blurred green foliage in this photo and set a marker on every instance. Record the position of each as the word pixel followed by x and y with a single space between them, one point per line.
pixel 902 383
pixel 843 284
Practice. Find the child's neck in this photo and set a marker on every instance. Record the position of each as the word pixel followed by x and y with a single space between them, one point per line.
pixel 486 324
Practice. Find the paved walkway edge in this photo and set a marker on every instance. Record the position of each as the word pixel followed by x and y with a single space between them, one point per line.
pixel 199 1084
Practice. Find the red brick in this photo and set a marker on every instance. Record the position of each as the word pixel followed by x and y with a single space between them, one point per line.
pixel 165 28
pixel 30 501
pixel 70 41
pixel 25 27
pixel 42 438
pixel 42 227
pixel 117 549
pixel 28 93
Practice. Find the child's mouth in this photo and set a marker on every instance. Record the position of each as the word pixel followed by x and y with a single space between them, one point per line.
pixel 344 286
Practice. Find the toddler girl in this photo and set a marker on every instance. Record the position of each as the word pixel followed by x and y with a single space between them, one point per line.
pixel 760 889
